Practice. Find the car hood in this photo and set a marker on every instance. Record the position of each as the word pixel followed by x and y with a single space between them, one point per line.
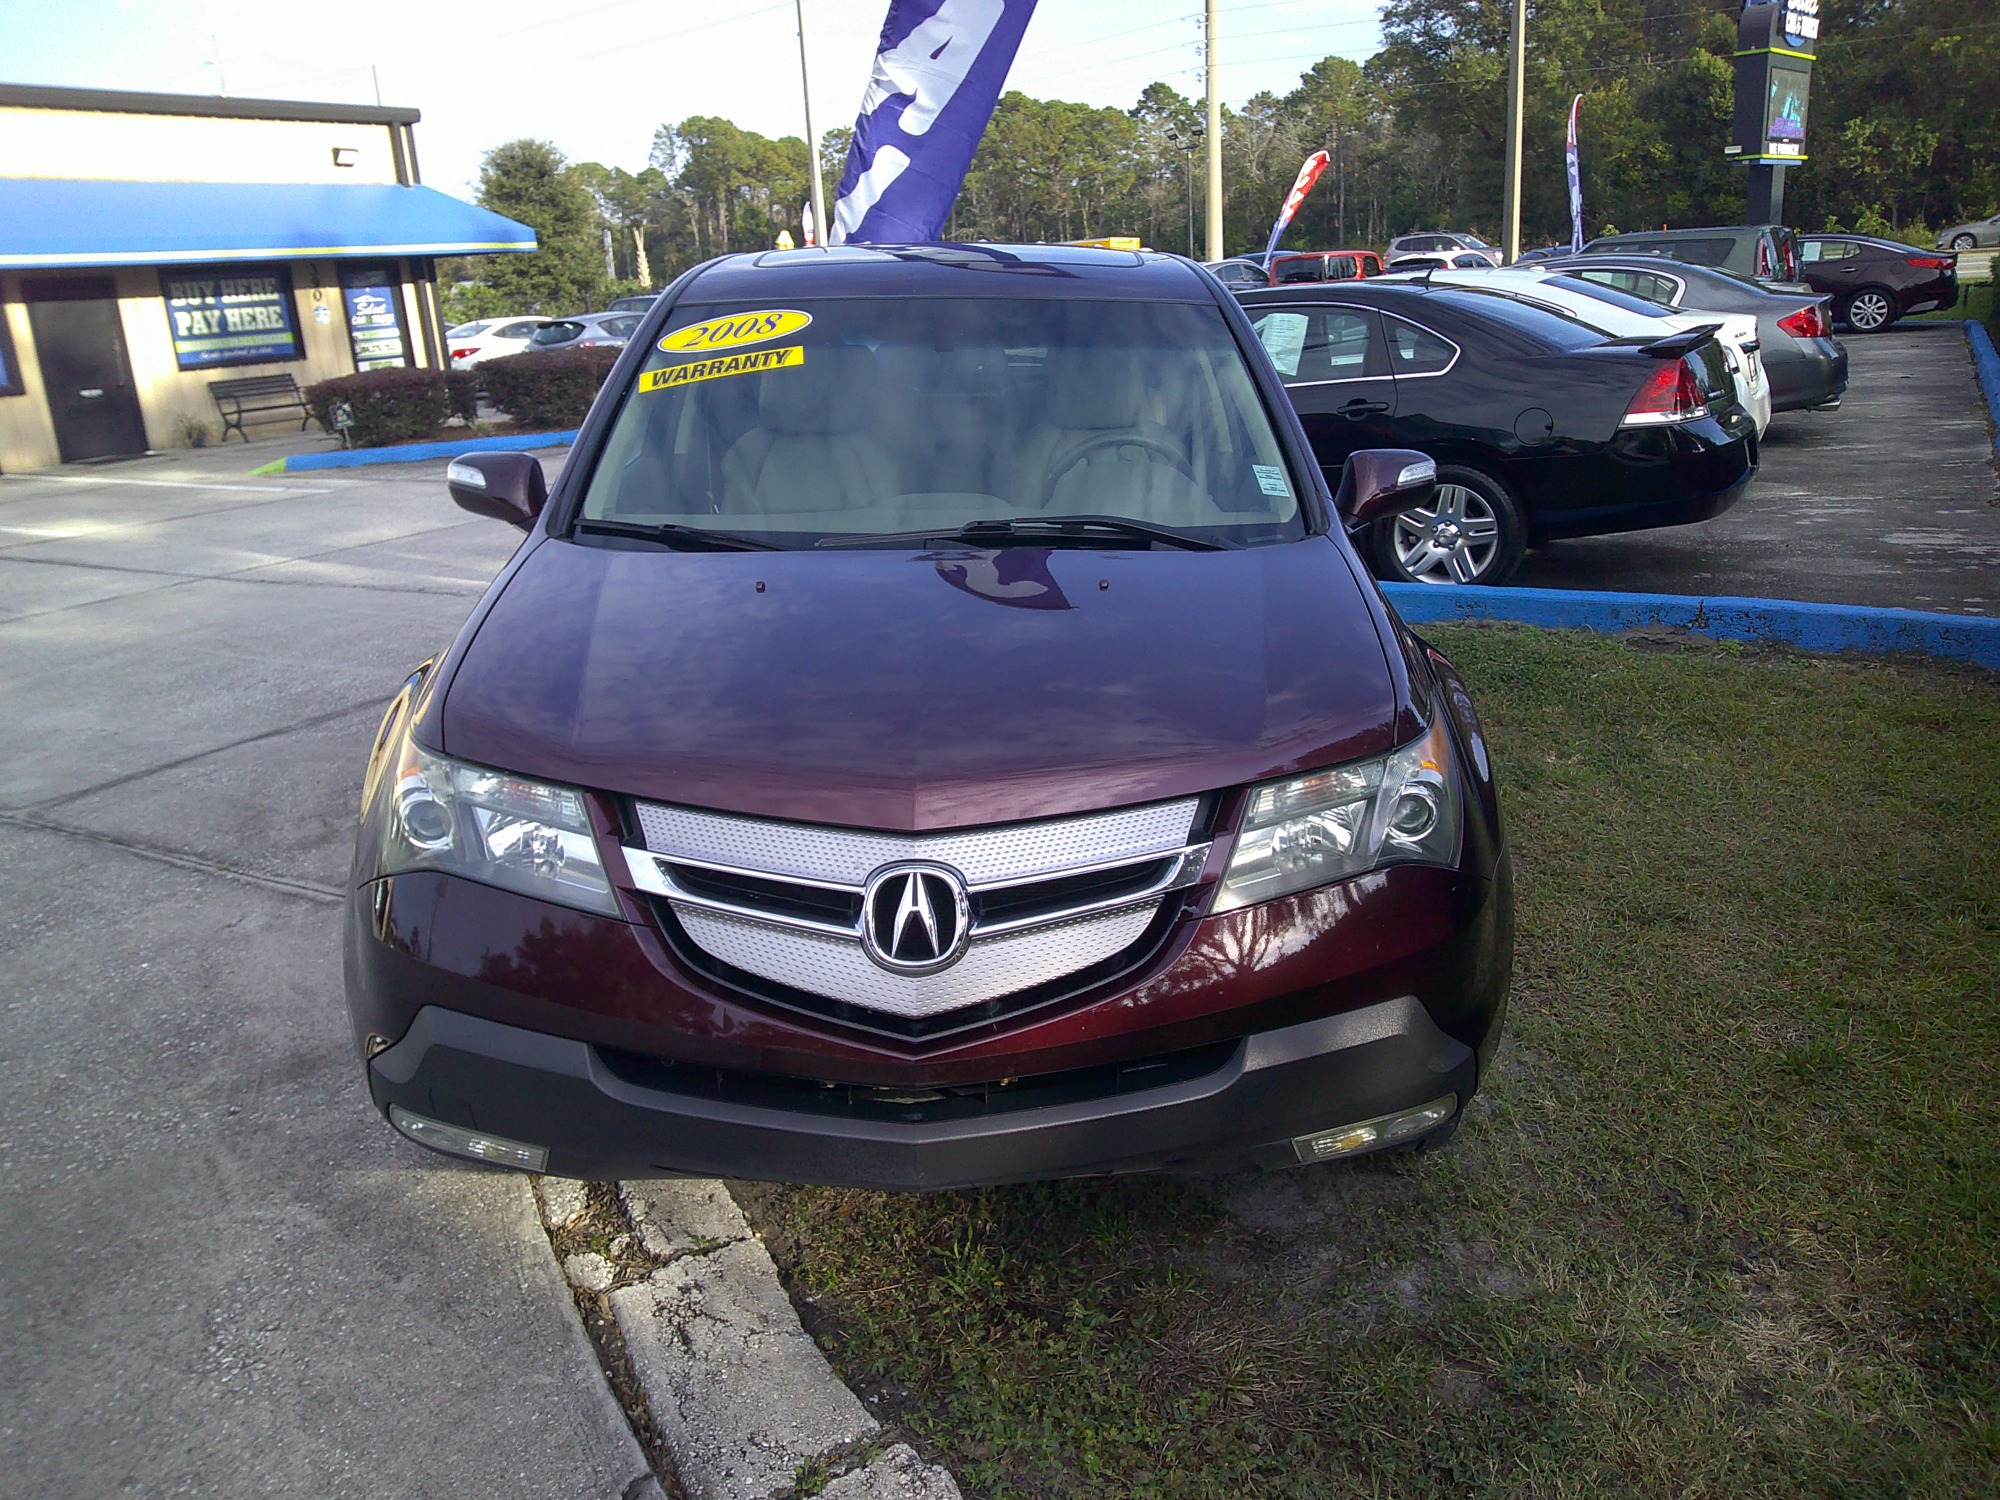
pixel 917 690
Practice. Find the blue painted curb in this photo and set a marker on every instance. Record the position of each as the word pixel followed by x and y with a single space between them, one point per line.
pixel 1986 362
pixel 1811 627
pixel 410 453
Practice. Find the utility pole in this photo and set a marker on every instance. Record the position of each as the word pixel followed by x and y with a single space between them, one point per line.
pixel 820 223
pixel 1214 143
pixel 1517 58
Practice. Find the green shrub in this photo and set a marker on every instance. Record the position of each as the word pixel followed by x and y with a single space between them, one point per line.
pixel 548 392
pixel 389 406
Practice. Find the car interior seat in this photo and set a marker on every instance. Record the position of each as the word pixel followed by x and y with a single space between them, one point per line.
pixel 814 448
pixel 1074 462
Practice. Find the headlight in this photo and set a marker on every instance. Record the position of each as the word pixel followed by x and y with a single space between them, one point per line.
pixel 1315 829
pixel 505 830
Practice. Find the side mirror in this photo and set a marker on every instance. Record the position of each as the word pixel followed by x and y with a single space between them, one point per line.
pixel 506 486
pixel 1380 482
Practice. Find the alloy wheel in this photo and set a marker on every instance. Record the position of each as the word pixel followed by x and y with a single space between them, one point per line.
pixel 1869 311
pixel 1452 541
pixel 1963 242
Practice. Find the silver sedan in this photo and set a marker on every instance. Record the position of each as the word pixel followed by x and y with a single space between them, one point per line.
pixel 1978 235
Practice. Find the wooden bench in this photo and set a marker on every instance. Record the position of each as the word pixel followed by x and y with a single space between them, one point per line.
pixel 255 395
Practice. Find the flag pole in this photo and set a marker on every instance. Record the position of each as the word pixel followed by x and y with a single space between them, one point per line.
pixel 820 225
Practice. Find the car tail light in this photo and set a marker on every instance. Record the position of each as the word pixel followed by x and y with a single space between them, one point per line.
pixel 463 353
pixel 1809 322
pixel 1672 393
pixel 1934 262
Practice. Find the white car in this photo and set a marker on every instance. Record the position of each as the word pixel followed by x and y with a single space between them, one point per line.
pixel 489 338
pixel 1624 316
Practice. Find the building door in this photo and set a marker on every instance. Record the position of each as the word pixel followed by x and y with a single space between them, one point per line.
pixel 80 346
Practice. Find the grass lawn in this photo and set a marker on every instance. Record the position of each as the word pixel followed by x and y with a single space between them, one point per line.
pixel 1723 1222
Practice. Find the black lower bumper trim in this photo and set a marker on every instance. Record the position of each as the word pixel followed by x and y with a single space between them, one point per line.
pixel 597 1123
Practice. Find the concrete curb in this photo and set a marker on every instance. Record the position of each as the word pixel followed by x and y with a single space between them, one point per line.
pixel 741 1396
pixel 1986 364
pixel 412 453
pixel 1810 627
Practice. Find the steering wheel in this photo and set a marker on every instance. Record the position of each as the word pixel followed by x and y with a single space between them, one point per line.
pixel 1114 440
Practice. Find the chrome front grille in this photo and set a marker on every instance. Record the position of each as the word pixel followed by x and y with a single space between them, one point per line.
pixel 790 903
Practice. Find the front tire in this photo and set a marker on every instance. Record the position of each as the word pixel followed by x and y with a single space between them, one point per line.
pixel 1869 310
pixel 1964 242
pixel 1472 532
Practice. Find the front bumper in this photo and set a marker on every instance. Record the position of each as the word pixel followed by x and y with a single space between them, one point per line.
pixel 597 1121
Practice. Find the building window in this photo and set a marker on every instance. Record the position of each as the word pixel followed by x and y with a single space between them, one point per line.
pixel 230 315
pixel 10 369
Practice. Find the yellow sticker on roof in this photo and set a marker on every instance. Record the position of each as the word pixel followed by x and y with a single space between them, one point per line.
pixel 735 330
pixel 755 362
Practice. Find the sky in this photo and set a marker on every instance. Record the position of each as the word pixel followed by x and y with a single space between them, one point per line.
pixel 597 76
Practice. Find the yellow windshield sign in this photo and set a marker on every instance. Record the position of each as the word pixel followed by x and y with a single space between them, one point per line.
pixel 755 362
pixel 735 330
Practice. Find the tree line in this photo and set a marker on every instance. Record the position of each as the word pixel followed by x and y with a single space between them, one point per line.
pixel 1903 134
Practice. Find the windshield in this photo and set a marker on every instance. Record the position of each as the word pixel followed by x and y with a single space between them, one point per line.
pixel 859 417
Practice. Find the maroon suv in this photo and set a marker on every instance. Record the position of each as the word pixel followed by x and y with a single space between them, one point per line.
pixel 936 732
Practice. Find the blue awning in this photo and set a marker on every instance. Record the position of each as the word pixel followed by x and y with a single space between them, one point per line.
pixel 49 223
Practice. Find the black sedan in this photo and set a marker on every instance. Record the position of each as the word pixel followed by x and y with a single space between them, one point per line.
pixel 1874 282
pixel 1541 427
pixel 1806 363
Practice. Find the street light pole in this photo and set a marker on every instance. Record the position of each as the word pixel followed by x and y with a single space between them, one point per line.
pixel 820 225
pixel 1214 142
pixel 1185 141
pixel 1517 57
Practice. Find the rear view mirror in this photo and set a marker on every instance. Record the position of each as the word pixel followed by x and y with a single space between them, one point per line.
pixel 1380 482
pixel 506 486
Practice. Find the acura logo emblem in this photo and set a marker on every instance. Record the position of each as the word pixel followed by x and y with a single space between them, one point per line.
pixel 914 918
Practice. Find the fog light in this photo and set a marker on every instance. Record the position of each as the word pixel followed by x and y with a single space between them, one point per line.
pixel 1367 1135
pixel 473 1143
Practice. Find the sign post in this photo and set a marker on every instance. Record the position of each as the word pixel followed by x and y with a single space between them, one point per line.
pixel 1776 43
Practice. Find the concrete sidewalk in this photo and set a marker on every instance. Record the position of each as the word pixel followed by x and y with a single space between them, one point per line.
pixel 220 1273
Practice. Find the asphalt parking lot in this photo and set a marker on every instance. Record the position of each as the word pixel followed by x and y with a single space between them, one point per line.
pixel 1890 500
pixel 219 1272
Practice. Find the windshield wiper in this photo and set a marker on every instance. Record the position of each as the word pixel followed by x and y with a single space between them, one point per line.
pixel 672 534
pixel 1038 529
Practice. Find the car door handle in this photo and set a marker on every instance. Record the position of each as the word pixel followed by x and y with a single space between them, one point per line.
pixel 1358 408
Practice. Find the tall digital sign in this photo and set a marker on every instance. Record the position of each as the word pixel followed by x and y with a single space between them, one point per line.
pixel 1776 42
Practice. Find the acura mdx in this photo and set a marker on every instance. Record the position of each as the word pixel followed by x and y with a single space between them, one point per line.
pixel 936 731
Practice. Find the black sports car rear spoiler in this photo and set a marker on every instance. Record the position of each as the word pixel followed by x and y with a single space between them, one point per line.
pixel 1674 345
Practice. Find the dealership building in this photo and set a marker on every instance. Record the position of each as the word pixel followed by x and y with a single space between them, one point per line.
pixel 152 245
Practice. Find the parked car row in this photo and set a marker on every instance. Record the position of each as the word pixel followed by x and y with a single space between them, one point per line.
pixel 1542 425
pixel 1622 388
pixel 490 338
pixel 1871 282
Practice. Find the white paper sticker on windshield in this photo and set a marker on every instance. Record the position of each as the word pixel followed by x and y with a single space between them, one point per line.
pixel 1271 480
pixel 1283 336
